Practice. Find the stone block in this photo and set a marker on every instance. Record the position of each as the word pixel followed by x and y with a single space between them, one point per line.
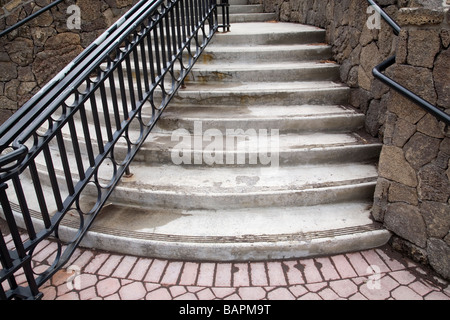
pixel 8 71
pixel 437 218
pixel 59 51
pixel 393 166
pixel 439 256
pixel 414 252
pixel 430 126
pixel 401 193
pixel 406 221
pixel 433 185
pixel 421 149
pixel 441 76
pixel 21 51
pixel 402 132
pixel 423 45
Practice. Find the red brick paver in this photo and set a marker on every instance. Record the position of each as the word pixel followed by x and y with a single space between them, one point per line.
pixel 375 274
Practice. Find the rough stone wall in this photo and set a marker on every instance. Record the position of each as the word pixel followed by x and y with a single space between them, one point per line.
pixel 33 54
pixel 412 194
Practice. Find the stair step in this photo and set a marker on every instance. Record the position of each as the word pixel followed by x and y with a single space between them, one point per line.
pixel 269 33
pixel 244 9
pixel 257 93
pixel 302 71
pixel 293 149
pixel 255 54
pixel 237 2
pixel 235 235
pixel 303 118
pixel 250 17
pixel 237 187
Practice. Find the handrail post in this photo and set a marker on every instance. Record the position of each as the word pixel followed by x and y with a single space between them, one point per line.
pixel 225 15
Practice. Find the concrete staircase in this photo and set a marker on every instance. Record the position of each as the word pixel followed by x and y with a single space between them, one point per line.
pixel 258 158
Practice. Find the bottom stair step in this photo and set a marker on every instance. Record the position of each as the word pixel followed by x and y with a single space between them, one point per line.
pixel 233 235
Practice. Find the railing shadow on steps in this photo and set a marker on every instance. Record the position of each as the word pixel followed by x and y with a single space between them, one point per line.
pixel 379 69
pixel 124 80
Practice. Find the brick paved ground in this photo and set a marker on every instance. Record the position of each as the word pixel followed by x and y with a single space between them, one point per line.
pixel 374 275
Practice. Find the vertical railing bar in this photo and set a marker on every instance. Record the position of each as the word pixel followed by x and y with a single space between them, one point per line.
pixel 168 37
pixel 144 67
pixel 179 23
pixel 150 58
pixel 112 87
pixel 7 263
pixel 52 177
pixel 202 8
pixel 191 16
pixel 2 293
pixel 24 207
pixel 87 136
pixel 5 258
pixel 97 127
pixel 188 17
pixel 163 42
pixel 183 19
pixel 29 274
pixel 157 51
pixel 40 194
pixel 174 33
pixel 106 113
pixel 122 92
pixel 138 73
pixel 130 83
pixel 195 17
pixel 65 162
pixel 76 148
pixel 9 217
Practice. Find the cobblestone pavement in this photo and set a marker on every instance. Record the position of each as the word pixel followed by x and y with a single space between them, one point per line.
pixel 376 274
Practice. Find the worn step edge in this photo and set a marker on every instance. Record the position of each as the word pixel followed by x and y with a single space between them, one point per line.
pixel 348 191
pixel 215 54
pixel 310 93
pixel 264 73
pixel 245 248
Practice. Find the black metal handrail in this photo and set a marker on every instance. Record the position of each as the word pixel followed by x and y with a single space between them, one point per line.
pixel 29 18
pixel 379 69
pixel 121 83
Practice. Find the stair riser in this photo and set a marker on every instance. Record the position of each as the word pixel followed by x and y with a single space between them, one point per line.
pixel 320 73
pixel 242 18
pixel 240 250
pixel 235 252
pixel 339 123
pixel 285 158
pixel 240 9
pixel 268 97
pixel 238 2
pixel 313 53
pixel 304 37
pixel 172 199
pixel 130 194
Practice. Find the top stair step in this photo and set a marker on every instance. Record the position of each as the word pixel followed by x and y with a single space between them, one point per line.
pixel 238 2
pixel 269 33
